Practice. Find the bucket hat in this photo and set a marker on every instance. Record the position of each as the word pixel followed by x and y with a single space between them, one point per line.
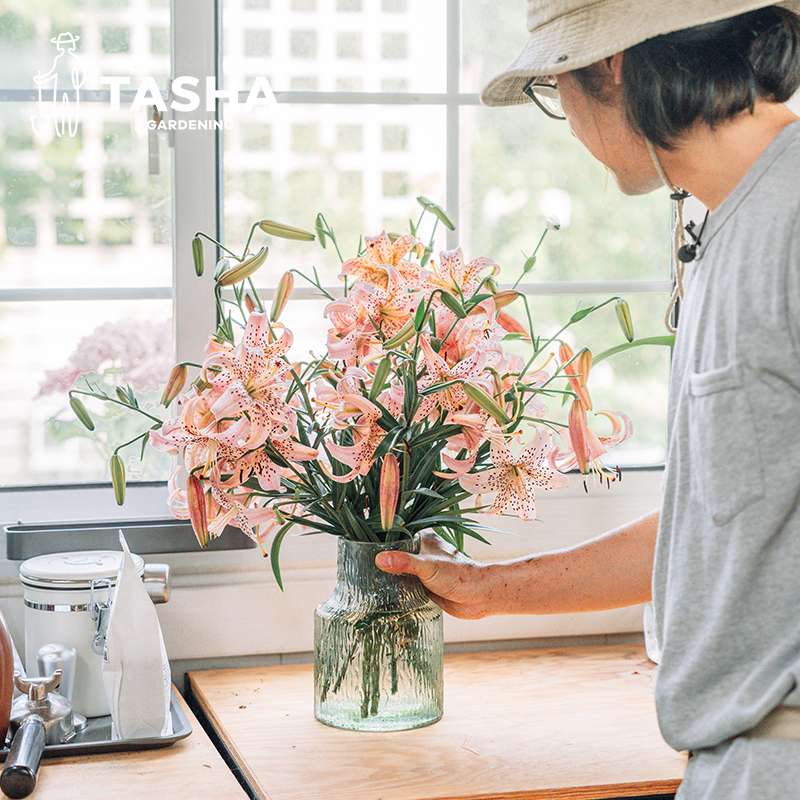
pixel 569 34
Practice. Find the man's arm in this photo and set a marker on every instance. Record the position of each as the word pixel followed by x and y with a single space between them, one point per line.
pixel 610 571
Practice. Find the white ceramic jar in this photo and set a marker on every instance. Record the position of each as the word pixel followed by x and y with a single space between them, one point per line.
pixel 58 591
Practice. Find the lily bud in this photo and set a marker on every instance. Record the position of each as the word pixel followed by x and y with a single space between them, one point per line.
pixel 623 311
pixel 118 478
pixel 578 427
pixel 577 370
pixel 449 301
pixel 491 285
pixel 486 402
pixel 197 509
pixel 318 225
pixel 529 264
pixel 175 384
pixel 405 333
pixel 282 293
pixel 389 490
pixel 81 413
pixel 584 364
pixel 245 269
pixel 285 231
pixel 505 298
pixel 250 302
pixel 197 255
pixel 437 210
pixel 223 265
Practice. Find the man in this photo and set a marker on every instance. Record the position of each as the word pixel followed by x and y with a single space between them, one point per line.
pixel 691 94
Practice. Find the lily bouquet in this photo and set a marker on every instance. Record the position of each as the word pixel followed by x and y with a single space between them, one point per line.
pixel 415 406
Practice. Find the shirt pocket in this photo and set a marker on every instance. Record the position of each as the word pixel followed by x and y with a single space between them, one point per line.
pixel 723 442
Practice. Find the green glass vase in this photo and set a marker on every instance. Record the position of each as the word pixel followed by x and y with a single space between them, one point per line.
pixel 378 646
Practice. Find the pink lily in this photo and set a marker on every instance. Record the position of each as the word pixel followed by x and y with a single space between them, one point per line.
pixel 516 478
pixel 458 278
pixel 389 306
pixel 584 447
pixel 380 253
pixel 453 398
pixel 249 381
pixel 367 435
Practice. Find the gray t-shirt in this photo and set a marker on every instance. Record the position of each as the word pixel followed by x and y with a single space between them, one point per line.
pixel 726 583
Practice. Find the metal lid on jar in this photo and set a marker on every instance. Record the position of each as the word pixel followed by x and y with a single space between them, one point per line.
pixel 76 570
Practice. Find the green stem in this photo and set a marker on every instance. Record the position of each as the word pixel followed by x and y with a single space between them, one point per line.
pixel 218 244
pixel 247 243
pixel 105 398
pixel 533 255
pixel 135 439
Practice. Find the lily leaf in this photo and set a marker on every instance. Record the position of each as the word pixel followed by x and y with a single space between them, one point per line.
pixel 664 341
pixel 437 210
pixel 275 551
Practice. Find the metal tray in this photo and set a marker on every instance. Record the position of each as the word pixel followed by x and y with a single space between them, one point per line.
pixel 96 737
pixel 144 536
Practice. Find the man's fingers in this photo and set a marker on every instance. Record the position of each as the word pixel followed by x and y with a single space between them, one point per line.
pixel 395 561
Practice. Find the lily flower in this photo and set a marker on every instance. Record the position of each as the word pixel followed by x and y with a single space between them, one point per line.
pixel 454 397
pixel 381 253
pixel 250 382
pixel 584 447
pixel 390 306
pixel 367 435
pixel 456 277
pixel 516 478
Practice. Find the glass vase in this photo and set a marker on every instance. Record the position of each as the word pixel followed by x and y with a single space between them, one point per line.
pixel 378 646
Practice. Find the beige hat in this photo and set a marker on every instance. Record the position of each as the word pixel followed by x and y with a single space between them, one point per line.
pixel 569 34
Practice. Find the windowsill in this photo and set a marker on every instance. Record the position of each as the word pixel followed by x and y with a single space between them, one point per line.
pixel 226 604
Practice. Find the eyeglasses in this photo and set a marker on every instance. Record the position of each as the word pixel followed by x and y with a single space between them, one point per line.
pixel 544 92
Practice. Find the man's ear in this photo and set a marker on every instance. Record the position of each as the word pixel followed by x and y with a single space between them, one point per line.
pixel 613 65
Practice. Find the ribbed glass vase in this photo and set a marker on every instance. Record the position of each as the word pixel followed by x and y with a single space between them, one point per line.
pixel 378 646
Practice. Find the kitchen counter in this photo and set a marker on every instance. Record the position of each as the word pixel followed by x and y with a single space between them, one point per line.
pixel 190 769
pixel 575 723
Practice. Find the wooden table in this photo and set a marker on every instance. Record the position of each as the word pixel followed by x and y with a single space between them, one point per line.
pixel 572 723
pixel 190 769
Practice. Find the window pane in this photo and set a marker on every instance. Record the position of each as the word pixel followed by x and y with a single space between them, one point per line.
pixel 300 45
pixel 81 214
pixel 525 167
pixel 330 159
pixel 108 40
pixel 48 348
pixel 492 36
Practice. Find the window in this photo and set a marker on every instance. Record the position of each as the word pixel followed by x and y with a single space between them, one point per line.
pixel 377 104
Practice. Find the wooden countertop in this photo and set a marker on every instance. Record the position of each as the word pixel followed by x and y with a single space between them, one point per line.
pixel 190 769
pixel 573 723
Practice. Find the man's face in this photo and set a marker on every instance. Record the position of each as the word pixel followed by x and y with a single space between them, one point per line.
pixel 603 129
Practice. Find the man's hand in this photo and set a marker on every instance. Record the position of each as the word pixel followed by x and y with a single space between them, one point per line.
pixel 613 570
pixel 456 583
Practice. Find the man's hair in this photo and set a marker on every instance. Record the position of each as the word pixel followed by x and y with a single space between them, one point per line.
pixel 709 73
